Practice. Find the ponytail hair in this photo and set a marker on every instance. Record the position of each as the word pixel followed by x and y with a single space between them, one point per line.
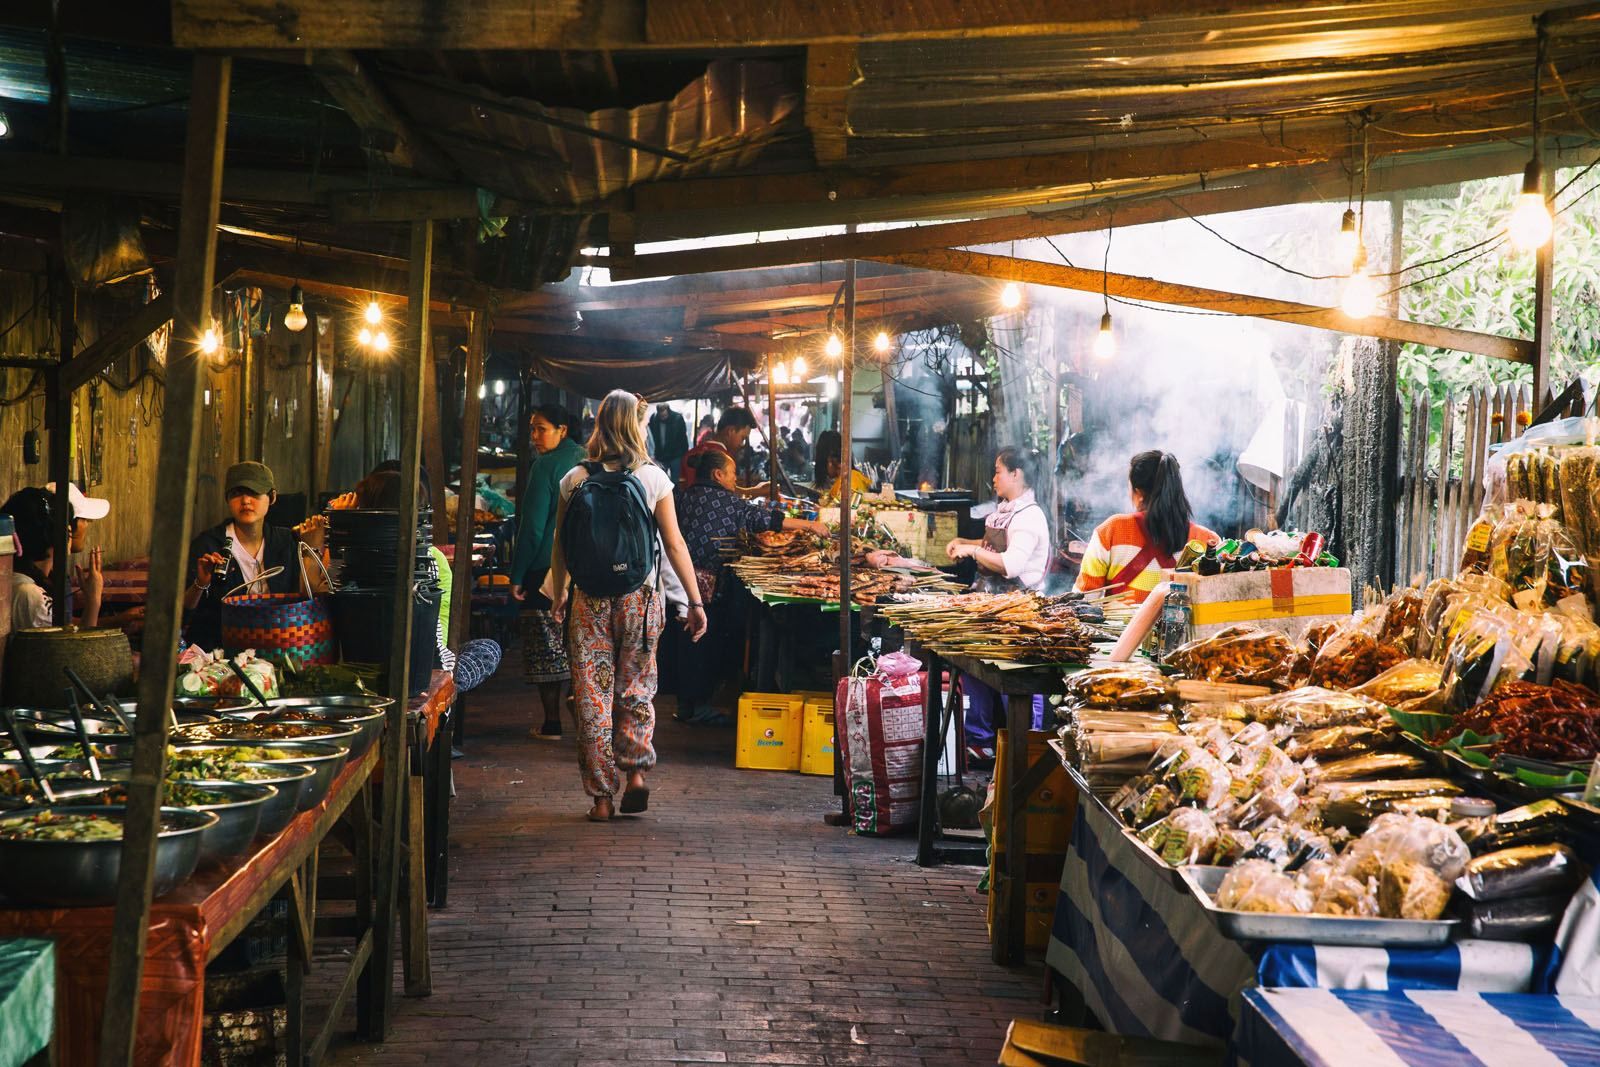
pixel 1167 513
pixel 707 463
pixel 1027 460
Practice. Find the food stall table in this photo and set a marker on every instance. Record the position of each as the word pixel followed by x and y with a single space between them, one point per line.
pixel 1008 933
pixel 191 925
pixel 27 998
pixel 1142 954
pixel 771 654
pixel 1420 1028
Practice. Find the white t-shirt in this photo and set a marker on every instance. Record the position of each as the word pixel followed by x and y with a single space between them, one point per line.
pixel 1027 554
pixel 657 487
pixel 249 566
pixel 31 606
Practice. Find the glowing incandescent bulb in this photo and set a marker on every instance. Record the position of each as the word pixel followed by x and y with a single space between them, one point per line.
pixel 295 319
pixel 1530 225
pixel 1011 296
pixel 882 343
pixel 1360 296
pixel 373 314
pixel 799 371
pixel 780 374
pixel 209 342
pixel 365 336
pixel 380 340
pixel 1105 342
pixel 833 346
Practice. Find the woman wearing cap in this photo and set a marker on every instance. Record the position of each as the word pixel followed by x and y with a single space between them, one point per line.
pixel 239 551
pixel 29 604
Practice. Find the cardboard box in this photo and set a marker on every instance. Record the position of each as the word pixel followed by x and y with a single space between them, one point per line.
pixel 1290 600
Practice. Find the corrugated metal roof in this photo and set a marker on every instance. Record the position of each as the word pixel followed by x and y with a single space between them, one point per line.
pixel 719 121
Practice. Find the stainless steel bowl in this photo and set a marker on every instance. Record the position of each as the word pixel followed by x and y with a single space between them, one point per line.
pixel 292 782
pixel 81 873
pixel 368 722
pixel 325 759
pixel 375 703
pixel 236 731
pixel 186 709
pixel 238 816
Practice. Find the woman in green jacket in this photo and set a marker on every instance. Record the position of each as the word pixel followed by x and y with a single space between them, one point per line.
pixel 544 652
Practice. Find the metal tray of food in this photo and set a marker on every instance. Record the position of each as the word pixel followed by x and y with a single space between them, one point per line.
pixel 1316 929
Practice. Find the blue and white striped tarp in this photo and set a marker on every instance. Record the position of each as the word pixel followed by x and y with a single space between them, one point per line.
pixel 1416 1028
pixel 1149 961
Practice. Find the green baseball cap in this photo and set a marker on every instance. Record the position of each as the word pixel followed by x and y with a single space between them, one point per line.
pixel 256 477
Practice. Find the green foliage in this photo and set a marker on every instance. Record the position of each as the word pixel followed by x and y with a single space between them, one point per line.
pixel 1493 292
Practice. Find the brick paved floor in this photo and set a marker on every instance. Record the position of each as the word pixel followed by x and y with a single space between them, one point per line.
pixel 729 925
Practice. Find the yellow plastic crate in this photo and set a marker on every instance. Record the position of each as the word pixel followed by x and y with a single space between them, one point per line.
pixel 768 736
pixel 816 737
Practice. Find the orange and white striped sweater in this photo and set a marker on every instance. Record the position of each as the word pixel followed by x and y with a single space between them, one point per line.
pixel 1115 544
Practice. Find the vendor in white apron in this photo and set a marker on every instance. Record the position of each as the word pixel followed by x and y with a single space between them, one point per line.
pixel 1013 554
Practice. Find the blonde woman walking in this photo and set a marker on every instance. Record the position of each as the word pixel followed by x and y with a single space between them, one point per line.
pixel 615 517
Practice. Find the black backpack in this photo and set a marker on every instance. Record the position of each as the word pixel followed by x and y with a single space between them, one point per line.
pixel 609 534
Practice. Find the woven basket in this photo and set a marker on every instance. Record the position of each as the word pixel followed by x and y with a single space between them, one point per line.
pixel 298 627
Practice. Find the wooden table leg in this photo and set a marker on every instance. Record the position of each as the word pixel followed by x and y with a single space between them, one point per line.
pixel 1009 933
pixel 414 906
pixel 932 739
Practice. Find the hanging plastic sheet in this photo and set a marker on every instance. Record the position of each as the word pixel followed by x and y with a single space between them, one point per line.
pixel 656 374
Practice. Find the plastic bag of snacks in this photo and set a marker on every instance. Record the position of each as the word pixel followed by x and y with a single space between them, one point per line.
pixel 207 674
pixel 1393 837
pixel 1124 685
pixel 1356 804
pixel 1315 707
pixel 1356 653
pixel 1256 885
pixel 1527 870
pixel 1238 654
pixel 1337 742
pixel 1406 680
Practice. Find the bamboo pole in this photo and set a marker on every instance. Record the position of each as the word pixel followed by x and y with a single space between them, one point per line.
pixel 413 365
pixel 772 429
pixel 169 541
pixel 466 503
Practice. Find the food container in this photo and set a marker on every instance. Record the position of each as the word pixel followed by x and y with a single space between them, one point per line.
pixel 237 807
pixel 269 730
pixel 1318 929
pixel 35 659
pixel 85 873
pixel 1289 600
pixel 365 713
pixel 323 759
pixel 187 710
pixel 292 782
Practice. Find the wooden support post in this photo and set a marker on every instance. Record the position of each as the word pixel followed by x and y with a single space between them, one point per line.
pixel 471 418
pixel 169 540
pixel 413 364
pixel 59 412
pixel 433 448
pixel 846 617
pixel 1543 300
pixel 773 439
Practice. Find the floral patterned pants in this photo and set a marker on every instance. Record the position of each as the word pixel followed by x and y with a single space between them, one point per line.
pixel 612 648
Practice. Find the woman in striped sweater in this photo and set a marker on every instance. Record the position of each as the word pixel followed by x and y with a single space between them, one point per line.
pixel 1130 551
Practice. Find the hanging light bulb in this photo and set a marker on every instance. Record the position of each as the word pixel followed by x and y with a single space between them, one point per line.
pixel 833 346
pixel 5 125
pixel 1531 225
pixel 295 319
pixel 374 313
pixel 1349 239
pixel 1360 296
pixel 365 336
pixel 483 390
pixel 499 387
pixel 799 372
pixel 1011 296
pixel 830 388
pixel 1105 342
pixel 380 341
pixel 209 343
pixel 882 343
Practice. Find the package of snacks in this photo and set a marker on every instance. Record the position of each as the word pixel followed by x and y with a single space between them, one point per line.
pixel 1314 707
pixel 1337 742
pixel 1238 654
pixel 1122 685
pixel 1523 871
pixel 1406 680
pixel 1256 885
pixel 1408 889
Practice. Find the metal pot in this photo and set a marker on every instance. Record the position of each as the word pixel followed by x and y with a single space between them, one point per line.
pixel 85 872
pixel 238 732
pixel 324 760
pixel 238 817
pixel 367 717
pixel 292 781
pixel 35 659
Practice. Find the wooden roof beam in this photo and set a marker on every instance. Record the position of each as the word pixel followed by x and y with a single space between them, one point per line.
pixel 832 71
pixel 115 341
pixel 834 196
pixel 1129 287
pixel 384 128
pixel 1327 183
